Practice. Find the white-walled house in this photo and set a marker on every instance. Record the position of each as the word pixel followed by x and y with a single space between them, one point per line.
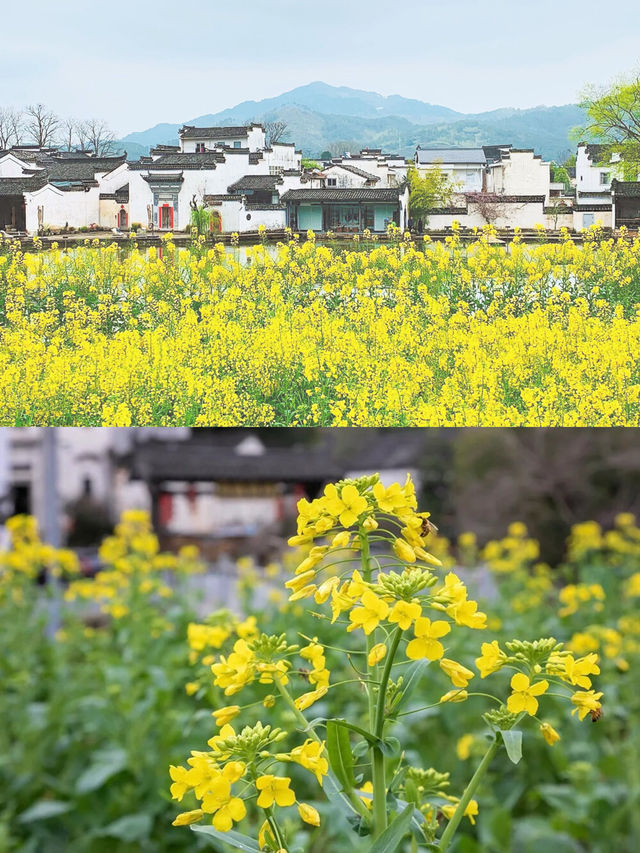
pixel 41 187
pixel 596 167
pixel 347 210
pixel 464 166
pixel 346 175
pixel 519 171
pixel 85 467
pixel 391 169
pixel 197 140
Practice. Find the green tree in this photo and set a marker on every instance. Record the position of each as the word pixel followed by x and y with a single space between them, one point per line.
pixel 430 189
pixel 559 175
pixel 613 117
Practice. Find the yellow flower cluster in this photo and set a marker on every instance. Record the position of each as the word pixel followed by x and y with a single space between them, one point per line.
pixel 134 568
pixel 28 556
pixel 236 757
pixel 303 335
pixel 363 559
pixel 558 664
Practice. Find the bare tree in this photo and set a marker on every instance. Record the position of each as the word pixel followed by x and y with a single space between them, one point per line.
pixel 99 137
pixel 42 125
pixel 69 132
pixel 275 131
pixel 82 134
pixel 491 206
pixel 11 127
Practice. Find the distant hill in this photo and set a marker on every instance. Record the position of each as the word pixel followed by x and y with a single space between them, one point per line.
pixel 336 118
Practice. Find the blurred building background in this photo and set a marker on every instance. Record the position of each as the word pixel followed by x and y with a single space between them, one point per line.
pixel 235 490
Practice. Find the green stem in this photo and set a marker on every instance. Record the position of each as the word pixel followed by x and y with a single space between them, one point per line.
pixel 274 827
pixel 355 801
pixel 382 692
pixel 377 758
pixel 379 793
pixel 469 791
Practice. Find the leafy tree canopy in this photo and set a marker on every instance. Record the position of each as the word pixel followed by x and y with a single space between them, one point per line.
pixel 613 117
pixel 429 189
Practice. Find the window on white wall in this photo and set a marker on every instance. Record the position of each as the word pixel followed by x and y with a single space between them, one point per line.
pixel 605 178
pixel 199 147
pixel 332 182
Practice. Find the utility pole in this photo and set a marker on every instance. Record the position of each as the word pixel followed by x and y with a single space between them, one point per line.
pixel 4 484
pixel 51 508
pixel 51 521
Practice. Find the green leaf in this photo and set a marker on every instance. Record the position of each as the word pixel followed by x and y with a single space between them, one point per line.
pixel 340 755
pixel 106 764
pixel 391 838
pixel 44 809
pixel 410 681
pixel 411 792
pixel 371 739
pixel 390 747
pixel 513 744
pixel 132 827
pixel 232 838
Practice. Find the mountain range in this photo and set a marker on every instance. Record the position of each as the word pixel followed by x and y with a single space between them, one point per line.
pixel 322 118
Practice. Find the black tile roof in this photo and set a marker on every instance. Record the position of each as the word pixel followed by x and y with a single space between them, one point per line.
pixel 509 199
pixel 202 461
pixel 470 156
pixel 354 169
pixel 191 132
pixel 448 211
pixel 206 160
pixel 121 195
pixel 165 149
pixel 160 178
pixel 590 208
pixel 81 169
pixel 255 182
pixel 18 186
pixel 258 206
pixel 220 197
pixel 598 152
pixel 339 194
pixel 626 189
pixel 493 153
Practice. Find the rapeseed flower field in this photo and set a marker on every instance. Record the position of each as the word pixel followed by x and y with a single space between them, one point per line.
pixel 431 334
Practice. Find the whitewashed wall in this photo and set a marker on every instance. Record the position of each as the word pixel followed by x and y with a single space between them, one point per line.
pixel 467 177
pixel 234 218
pixel 563 220
pixel 284 156
pixel 584 219
pixel 521 174
pixel 73 208
pixel 345 178
pixel 588 174
pixel 12 167
pixel 254 141
pixel 525 215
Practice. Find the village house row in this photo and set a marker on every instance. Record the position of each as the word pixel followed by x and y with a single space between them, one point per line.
pixel 249 184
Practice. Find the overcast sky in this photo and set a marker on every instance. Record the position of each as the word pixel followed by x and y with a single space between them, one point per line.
pixel 136 64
